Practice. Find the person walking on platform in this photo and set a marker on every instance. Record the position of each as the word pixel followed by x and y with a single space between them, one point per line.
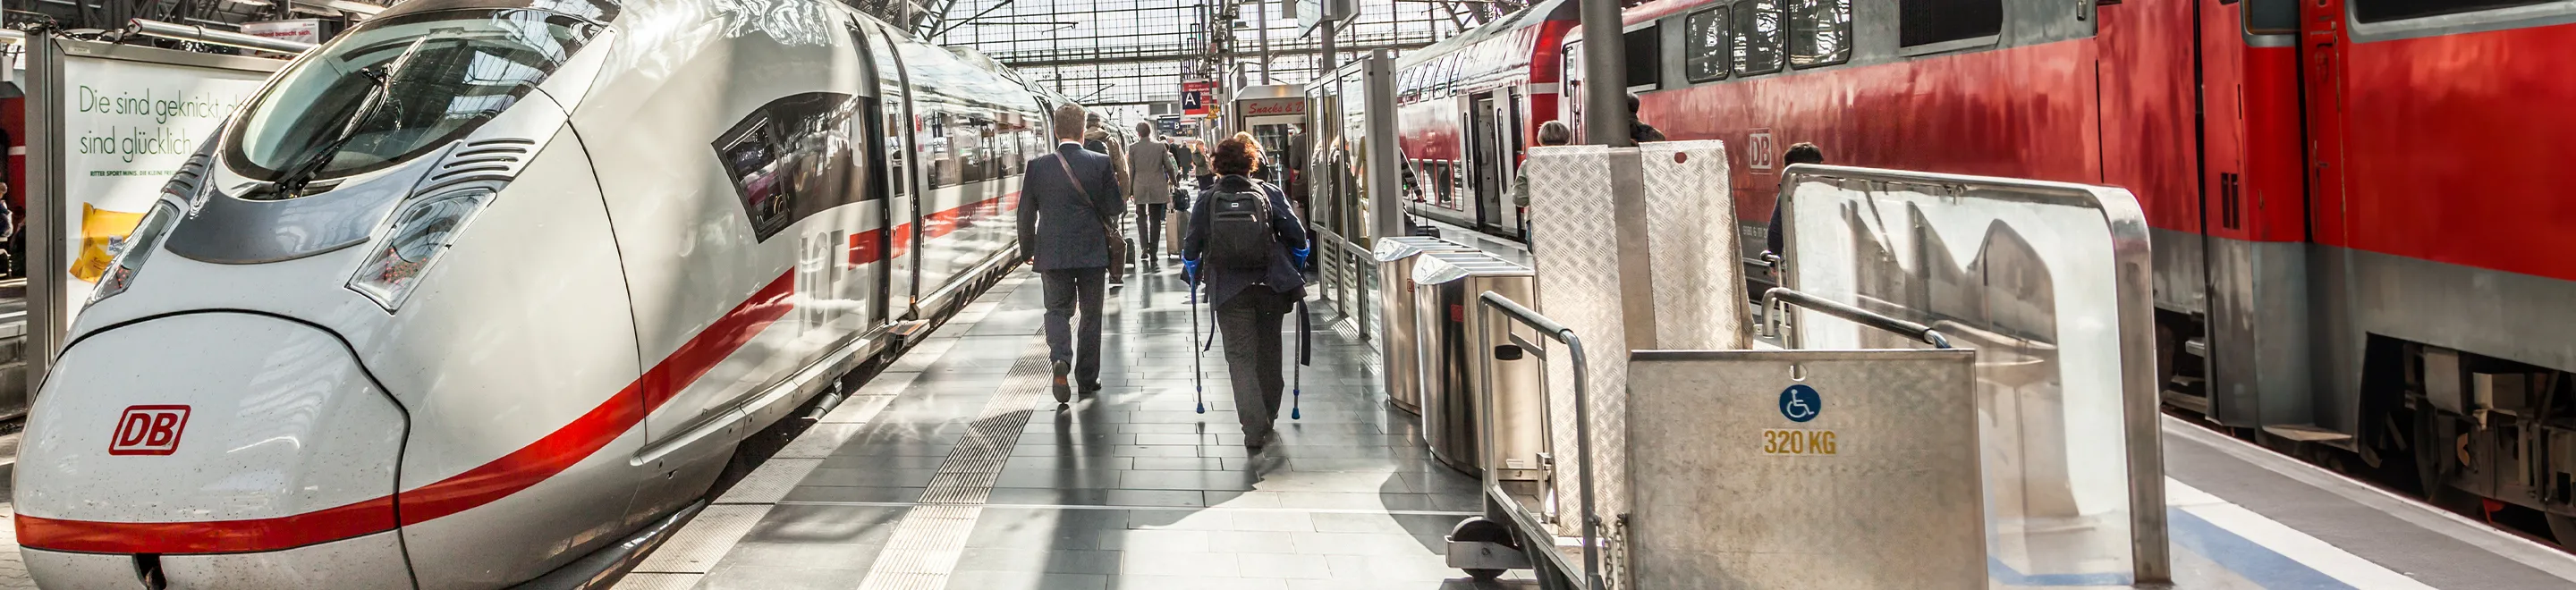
pixel 1799 153
pixel 1149 184
pixel 1245 245
pixel 1097 138
pixel 1066 226
pixel 1207 171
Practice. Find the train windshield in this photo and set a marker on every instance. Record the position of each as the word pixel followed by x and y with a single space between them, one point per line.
pixel 393 89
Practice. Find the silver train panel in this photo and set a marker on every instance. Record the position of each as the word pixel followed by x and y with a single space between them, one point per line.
pixel 2258 333
pixel 372 561
pixel 2499 314
pixel 506 343
pixel 2182 280
pixel 654 275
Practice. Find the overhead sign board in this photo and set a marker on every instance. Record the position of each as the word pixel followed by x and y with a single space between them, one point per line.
pixel 1197 97
pixel 1272 107
pixel 1313 13
pixel 302 30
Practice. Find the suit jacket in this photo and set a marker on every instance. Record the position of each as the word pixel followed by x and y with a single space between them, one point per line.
pixel 1149 177
pixel 1281 276
pixel 1057 225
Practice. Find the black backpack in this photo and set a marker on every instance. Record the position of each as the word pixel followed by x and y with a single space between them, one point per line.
pixel 1239 233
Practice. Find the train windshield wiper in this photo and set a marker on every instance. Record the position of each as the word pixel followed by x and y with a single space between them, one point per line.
pixel 380 84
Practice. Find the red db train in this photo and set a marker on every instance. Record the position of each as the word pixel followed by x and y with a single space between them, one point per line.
pixel 2359 254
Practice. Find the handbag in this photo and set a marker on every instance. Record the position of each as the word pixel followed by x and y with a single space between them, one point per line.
pixel 1108 232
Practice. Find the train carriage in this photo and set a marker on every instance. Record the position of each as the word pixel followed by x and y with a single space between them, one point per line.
pixel 485 286
pixel 2356 250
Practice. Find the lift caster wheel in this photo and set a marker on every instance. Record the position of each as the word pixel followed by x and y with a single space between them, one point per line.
pixel 1484 548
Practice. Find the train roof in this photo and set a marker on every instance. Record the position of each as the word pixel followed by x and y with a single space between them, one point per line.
pixel 1530 16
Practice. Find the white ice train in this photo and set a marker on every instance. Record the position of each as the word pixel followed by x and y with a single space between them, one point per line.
pixel 482 287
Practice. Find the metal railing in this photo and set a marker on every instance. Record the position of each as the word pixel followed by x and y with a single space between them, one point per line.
pixel 154 28
pixel 1490 302
pixel 1775 300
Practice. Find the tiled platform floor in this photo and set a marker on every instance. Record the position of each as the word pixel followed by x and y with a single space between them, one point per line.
pixel 1129 489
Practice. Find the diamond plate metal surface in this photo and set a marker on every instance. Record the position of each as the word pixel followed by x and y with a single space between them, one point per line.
pixel 1878 488
pixel 1699 279
pixel 1573 222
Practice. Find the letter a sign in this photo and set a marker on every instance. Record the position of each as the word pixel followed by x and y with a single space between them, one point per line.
pixel 149 430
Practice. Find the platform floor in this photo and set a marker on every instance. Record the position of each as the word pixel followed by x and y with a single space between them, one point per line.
pixel 954 469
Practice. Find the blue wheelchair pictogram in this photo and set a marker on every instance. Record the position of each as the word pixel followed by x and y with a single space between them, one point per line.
pixel 1800 403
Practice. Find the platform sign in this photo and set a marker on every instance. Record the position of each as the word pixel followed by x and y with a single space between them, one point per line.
pixel 302 30
pixel 1197 97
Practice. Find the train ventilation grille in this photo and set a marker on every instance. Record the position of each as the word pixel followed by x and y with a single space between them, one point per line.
pixel 496 160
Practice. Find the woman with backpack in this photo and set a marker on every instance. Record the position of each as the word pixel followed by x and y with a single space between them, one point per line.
pixel 1245 245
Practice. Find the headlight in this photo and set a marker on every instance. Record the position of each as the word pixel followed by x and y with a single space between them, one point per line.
pixel 130 252
pixel 422 231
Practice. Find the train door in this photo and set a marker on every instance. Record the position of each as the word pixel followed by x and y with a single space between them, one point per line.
pixel 1570 98
pixel 1485 161
pixel 866 248
pixel 1516 140
pixel 903 196
pixel 2321 57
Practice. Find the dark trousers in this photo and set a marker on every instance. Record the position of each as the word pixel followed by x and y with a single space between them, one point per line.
pixel 1253 359
pixel 1064 289
pixel 1149 229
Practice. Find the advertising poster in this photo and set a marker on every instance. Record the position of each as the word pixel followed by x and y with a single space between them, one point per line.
pixel 127 126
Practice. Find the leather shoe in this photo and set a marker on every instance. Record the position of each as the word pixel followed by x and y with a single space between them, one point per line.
pixel 1063 382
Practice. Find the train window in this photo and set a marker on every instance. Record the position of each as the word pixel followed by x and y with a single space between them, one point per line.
pixel 1757 37
pixel 2272 17
pixel 438 75
pixel 790 159
pixel 1820 32
pixel 1705 33
pixel 1925 22
pixel 1645 57
pixel 2371 11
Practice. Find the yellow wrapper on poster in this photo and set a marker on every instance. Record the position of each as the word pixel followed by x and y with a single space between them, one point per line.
pixel 102 231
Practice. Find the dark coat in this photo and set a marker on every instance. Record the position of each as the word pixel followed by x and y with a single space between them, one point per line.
pixel 1056 226
pixel 1281 276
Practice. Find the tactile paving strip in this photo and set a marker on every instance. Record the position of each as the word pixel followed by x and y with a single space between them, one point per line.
pixel 925 546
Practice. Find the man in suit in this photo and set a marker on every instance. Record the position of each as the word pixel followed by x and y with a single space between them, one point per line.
pixel 1065 202
pixel 1149 184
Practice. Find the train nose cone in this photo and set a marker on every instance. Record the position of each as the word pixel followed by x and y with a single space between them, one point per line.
pixel 231 450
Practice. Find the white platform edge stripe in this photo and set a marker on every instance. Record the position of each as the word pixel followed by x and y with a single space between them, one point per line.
pixel 2297 546
pixel 2476 534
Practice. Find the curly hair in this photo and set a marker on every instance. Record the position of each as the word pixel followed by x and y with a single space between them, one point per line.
pixel 1237 155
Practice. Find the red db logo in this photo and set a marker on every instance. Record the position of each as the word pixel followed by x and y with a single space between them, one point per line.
pixel 149 430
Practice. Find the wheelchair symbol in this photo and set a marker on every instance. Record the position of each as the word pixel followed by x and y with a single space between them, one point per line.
pixel 1800 403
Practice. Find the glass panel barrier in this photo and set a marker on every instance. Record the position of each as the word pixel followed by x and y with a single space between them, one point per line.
pixel 2049 283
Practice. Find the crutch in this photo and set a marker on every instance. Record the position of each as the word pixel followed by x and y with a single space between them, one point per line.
pixel 1305 355
pixel 1197 378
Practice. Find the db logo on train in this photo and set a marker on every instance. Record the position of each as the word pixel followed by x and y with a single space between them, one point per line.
pixel 149 430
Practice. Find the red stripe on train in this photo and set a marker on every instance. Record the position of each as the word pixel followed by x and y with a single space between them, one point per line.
pixel 481 485
pixel 464 491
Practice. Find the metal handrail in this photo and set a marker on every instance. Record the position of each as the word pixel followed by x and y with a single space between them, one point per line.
pixel 1773 299
pixel 154 28
pixel 1490 301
